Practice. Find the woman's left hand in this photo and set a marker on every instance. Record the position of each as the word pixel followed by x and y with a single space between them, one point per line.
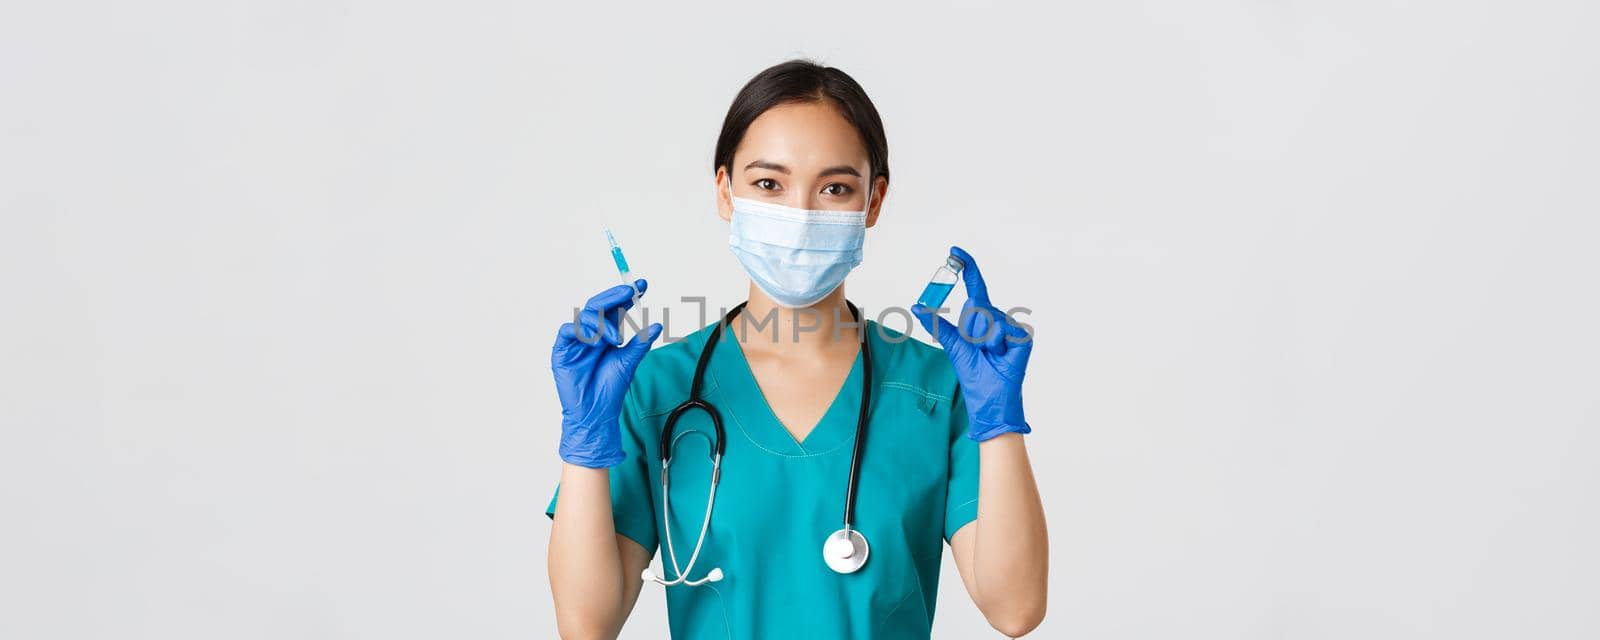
pixel 990 354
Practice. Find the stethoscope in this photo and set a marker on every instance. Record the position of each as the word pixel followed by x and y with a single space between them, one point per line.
pixel 844 551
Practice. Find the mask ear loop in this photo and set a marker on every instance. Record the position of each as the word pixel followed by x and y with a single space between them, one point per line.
pixel 867 210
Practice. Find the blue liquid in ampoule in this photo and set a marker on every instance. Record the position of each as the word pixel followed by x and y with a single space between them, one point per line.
pixel 942 282
pixel 934 295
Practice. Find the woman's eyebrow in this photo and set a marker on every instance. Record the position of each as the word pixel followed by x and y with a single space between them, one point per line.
pixel 845 170
pixel 771 166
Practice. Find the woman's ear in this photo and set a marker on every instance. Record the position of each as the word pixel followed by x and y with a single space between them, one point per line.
pixel 724 199
pixel 880 188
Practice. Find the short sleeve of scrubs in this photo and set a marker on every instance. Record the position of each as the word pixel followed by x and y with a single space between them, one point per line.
pixel 631 506
pixel 961 495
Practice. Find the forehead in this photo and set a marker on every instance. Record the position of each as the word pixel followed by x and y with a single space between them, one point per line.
pixel 801 135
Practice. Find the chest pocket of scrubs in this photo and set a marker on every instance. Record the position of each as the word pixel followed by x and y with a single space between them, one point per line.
pixel 697 612
pixel 904 478
pixel 905 467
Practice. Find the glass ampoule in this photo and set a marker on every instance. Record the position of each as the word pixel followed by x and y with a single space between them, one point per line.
pixel 943 281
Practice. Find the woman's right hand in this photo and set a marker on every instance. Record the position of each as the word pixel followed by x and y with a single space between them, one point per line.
pixel 592 374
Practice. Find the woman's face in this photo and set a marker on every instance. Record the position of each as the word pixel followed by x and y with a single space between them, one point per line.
pixel 802 155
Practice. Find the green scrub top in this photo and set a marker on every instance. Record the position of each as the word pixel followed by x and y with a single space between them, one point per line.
pixel 780 498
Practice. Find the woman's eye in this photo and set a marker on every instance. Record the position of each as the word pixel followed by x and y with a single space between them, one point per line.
pixel 836 189
pixel 766 184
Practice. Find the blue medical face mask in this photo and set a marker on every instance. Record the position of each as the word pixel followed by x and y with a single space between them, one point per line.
pixel 796 256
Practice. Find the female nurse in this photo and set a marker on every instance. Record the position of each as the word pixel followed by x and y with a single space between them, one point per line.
pixel 801 172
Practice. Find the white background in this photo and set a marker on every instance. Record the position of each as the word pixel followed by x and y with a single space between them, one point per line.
pixel 1314 284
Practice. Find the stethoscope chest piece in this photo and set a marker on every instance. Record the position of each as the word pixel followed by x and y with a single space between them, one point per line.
pixel 845 551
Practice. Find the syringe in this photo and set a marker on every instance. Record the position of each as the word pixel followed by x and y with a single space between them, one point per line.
pixel 622 264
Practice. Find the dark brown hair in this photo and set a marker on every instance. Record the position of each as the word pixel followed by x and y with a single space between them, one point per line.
pixel 803 81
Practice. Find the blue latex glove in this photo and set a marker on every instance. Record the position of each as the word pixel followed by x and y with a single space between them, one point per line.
pixel 592 373
pixel 990 354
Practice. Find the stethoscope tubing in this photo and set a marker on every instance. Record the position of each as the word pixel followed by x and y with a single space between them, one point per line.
pixel 668 443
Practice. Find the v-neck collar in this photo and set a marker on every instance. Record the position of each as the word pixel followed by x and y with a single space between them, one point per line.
pixel 747 407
